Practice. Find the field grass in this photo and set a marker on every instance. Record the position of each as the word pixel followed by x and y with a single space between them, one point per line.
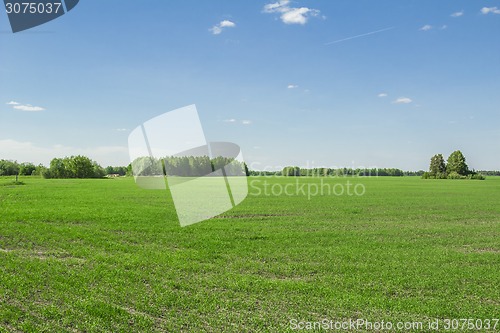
pixel 106 256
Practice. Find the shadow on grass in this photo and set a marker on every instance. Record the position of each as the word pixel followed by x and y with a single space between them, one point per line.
pixel 13 183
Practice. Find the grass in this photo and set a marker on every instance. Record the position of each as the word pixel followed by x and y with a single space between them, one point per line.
pixel 12 183
pixel 106 256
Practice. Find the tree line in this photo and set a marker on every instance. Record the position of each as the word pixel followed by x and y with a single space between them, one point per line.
pixel 188 166
pixel 455 167
pixel 295 171
pixel 67 167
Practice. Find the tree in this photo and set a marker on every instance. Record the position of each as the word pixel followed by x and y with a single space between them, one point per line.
pixel 27 169
pixel 437 167
pixel 456 163
pixel 73 167
pixel 56 169
pixel 8 168
pixel 291 171
pixel 79 167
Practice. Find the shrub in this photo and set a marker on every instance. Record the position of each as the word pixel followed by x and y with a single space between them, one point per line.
pixel 428 175
pixel 476 176
pixel 441 175
pixel 455 175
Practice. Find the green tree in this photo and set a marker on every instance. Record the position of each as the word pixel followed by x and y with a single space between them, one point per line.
pixel 456 163
pixel 27 169
pixel 291 171
pixel 79 167
pixel 57 169
pixel 73 167
pixel 437 167
pixel 8 168
pixel 110 170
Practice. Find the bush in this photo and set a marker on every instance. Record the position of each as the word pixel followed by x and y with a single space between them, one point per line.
pixel 455 175
pixel 430 175
pixel 441 175
pixel 476 176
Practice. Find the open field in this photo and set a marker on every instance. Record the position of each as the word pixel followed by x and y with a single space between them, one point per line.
pixel 104 255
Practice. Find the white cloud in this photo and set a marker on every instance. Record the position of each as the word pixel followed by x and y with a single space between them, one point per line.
pixel 227 24
pixel 444 27
pixel 487 10
pixel 426 27
pixel 457 14
pixel 217 29
pixel 291 15
pixel 298 15
pixel 234 121
pixel 292 86
pixel 25 107
pixel 29 108
pixel 29 152
pixel 121 129
pixel 280 6
pixel 382 95
pixel 402 100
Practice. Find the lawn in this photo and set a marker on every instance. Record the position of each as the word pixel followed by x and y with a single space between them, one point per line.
pixel 107 256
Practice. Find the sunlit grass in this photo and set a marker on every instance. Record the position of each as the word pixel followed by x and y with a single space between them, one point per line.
pixel 105 255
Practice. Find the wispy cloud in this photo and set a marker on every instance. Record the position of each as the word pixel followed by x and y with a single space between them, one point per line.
pixel 358 36
pixel 402 100
pixel 382 95
pixel 292 86
pixel 121 129
pixel 426 27
pixel 28 108
pixel 444 27
pixel 217 29
pixel 25 107
pixel 457 14
pixel 276 7
pixel 488 10
pixel 235 121
pixel 291 15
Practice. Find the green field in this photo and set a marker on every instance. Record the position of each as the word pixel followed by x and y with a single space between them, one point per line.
pixel 106 256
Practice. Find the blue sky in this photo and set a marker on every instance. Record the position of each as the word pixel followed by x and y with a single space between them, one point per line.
pixel 285 80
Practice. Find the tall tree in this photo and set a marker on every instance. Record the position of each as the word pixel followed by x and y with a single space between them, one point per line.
pixel 456 163
pixel 437 167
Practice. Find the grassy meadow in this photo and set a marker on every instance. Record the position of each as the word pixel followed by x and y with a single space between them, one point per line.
pixel 106 256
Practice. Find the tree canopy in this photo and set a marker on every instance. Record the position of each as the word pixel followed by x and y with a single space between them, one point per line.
pixel 454 168
pixel 73 167
pixel 456 163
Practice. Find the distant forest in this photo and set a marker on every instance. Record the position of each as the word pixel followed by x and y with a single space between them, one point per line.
pixel 84 167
